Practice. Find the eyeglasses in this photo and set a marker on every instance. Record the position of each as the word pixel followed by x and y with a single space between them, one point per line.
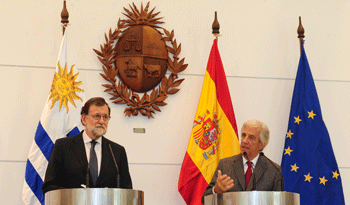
pixel 98 117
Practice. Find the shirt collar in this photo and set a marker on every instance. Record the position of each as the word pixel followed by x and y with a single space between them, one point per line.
pixel 87 139
pixel 254 161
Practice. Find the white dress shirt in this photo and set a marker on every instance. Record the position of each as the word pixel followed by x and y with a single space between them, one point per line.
pixel 98 149
pixel 254 161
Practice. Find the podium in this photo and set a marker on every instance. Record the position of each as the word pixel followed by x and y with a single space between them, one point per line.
pixel 94 196
pixel 253 198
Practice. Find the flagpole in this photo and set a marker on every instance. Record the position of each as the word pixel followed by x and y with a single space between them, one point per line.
pixel 216 27
pixel 64 16
pixel 300 32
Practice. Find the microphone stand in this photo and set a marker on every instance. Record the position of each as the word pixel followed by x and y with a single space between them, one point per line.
pixel 116 165
pixel 282 181
pixel 88 176
pixel 254 183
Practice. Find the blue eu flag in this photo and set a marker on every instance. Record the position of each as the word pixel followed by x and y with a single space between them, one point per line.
pixel 308 163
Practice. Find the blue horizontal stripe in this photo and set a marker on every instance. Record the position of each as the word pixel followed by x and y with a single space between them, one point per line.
pixel 34 181
pixel 74 131
pixel 43 141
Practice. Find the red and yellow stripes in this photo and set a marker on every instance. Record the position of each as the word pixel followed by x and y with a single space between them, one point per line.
pixel 215 103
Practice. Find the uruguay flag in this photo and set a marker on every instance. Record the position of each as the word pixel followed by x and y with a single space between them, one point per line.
pixel 60 118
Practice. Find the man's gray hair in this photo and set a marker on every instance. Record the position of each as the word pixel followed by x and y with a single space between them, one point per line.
pixel 264 136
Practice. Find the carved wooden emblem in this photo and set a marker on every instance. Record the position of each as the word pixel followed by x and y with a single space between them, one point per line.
pixel 140 55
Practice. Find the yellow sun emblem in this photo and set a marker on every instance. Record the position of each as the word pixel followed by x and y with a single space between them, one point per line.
pixel 63 87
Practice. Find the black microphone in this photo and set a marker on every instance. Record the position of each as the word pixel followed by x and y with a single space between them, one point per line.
pixel 245 154
pixel 282 182
pixel 116 165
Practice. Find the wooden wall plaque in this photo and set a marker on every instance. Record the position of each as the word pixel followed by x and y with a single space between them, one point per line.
pixel 139 54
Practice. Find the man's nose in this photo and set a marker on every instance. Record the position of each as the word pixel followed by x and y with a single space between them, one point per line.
pixel 101 120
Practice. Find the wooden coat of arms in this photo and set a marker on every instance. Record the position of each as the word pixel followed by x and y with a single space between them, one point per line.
pixel 140 55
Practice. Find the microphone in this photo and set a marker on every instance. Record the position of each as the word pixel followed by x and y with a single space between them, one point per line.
pixel 116 165
pixel 282 182
pixel 245 154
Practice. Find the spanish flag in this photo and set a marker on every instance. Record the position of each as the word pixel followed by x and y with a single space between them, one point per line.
pixel 214 132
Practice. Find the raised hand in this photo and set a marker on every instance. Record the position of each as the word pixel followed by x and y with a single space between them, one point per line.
pixel 223 183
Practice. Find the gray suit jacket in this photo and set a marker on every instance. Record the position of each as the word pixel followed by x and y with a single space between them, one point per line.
pixel 264 178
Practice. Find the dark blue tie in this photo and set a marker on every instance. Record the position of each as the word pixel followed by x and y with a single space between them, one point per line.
pixel 93 162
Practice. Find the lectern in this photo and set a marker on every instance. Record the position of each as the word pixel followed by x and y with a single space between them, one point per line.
pixel 94 196
pixel 253 198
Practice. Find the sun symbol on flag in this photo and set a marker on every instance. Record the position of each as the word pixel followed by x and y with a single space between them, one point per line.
pixel 63 87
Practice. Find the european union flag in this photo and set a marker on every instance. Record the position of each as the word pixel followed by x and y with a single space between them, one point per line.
pixel 308 163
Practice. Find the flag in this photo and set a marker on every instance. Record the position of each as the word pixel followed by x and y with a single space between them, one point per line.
pixel 214 132
pixel 60 118
pixel 308 164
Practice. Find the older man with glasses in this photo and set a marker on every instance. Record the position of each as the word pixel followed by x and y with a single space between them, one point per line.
pixel 88 159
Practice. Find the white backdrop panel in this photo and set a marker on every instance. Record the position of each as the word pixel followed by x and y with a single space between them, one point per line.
pixel 158 181
pixel 11 178
pixel 259 38
pixel 345 174
pixel 25 91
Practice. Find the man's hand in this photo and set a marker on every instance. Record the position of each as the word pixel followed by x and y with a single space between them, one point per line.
pixel 223 183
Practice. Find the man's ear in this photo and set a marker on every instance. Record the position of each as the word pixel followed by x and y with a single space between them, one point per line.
pixel 262 145
pixel 83 119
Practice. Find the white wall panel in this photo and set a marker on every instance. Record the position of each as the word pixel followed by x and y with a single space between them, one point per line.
pixel 345 174
pixel 11 179
pixel 259 38
pixel 158 181
pixel 25 91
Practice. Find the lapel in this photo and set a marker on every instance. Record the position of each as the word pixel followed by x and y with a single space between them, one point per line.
pixel 78 148
pixel 259 171
pixel 239 170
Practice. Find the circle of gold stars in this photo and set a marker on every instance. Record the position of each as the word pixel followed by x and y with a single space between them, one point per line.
pixel 289 151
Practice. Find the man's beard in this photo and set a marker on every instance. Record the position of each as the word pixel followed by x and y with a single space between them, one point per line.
pixel 97 130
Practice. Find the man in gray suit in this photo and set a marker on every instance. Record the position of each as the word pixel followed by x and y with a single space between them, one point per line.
pixel 230 175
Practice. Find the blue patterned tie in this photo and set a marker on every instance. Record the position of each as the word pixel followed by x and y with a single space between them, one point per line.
pixel 93 162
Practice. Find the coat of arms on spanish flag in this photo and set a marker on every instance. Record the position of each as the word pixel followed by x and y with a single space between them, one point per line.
pixel 214 133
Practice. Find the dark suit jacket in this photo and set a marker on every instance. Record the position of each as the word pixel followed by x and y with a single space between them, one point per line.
pixel 267 177
pixel 68 164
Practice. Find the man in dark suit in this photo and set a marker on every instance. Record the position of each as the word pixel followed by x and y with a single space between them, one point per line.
pixel 232 173
pixel 68 164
